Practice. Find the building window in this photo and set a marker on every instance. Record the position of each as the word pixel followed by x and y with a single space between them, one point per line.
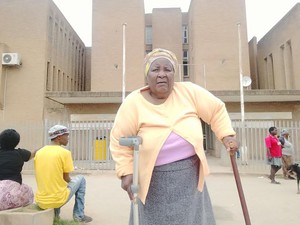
pixel 148 35
pixel 50 29
pixel 270 72
pixel 184 34
pixel 48 81
pixel 185 62
pixel 290 81
pixel 185 55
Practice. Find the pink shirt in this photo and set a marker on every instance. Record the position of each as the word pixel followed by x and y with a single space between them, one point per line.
pixel 175 148
pixel 274 145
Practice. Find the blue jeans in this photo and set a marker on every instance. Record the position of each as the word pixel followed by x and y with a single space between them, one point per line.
pixel 77 187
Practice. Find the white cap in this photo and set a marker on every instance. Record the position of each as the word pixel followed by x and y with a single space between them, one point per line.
pixel 57 130
pixel 284 131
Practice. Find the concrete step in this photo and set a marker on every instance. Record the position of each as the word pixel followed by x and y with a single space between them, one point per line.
pixel 29 215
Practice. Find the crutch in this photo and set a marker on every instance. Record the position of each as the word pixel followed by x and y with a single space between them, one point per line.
pixel 134 141
pixel 239 187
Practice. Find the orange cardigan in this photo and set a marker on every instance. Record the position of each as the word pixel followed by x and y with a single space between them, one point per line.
pixel 180 113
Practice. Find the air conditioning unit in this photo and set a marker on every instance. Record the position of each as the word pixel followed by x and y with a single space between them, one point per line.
pixel 11 59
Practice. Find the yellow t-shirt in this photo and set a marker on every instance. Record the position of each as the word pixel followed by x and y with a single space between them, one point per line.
pixel 50 163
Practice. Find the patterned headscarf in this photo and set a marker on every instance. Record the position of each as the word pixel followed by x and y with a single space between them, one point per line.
pixel 160 53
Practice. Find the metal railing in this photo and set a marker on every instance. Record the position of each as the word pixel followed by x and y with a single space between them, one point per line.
pixel 255 132
pixel 89 141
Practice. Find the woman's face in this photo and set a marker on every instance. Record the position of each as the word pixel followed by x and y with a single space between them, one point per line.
pixel 274 132
pixel 161 78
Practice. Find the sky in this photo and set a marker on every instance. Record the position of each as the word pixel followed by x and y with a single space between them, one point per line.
pixel 262 15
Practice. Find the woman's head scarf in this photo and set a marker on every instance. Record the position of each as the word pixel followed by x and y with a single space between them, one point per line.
pixel 160 53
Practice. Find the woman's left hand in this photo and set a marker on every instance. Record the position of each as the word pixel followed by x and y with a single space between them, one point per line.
pixel 231 144
pixel 126 185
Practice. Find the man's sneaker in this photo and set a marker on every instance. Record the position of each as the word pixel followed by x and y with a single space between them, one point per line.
pixel 85 219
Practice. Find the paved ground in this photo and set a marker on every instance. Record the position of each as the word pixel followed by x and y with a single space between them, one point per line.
pixel 267 203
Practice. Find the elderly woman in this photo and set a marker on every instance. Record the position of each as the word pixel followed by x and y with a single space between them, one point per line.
pixel 13 193
pixel 172 162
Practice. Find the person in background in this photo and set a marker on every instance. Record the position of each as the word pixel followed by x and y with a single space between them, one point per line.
pixel 274 153
pixel 287 153
pixel 13 192
pixel 172 163
pixel 55 187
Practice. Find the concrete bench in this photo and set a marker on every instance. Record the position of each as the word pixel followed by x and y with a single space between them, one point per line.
pixel 29 215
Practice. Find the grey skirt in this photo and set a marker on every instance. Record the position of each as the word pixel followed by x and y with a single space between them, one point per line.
pixel 173 198
pixel 274 161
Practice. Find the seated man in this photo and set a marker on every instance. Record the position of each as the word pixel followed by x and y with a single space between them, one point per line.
pixel 53 164
pixel 13 193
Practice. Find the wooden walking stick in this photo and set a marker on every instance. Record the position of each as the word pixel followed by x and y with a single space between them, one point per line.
pixel 239 186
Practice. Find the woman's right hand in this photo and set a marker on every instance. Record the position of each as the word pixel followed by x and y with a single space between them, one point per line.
pixel 126 185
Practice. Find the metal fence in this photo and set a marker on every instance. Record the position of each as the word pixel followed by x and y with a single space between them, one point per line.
pixel 254 159
pixel 89 142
